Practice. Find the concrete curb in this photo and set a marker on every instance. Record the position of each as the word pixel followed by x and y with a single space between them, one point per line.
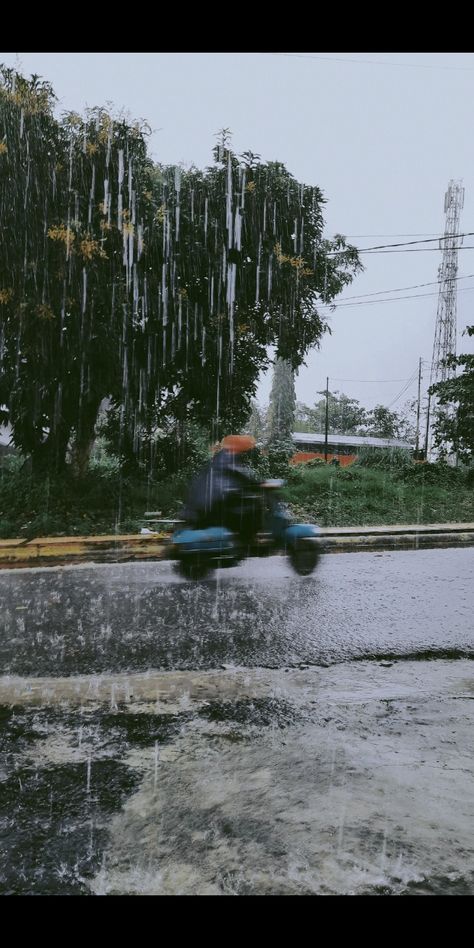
pixel 57 551
pixel 389 541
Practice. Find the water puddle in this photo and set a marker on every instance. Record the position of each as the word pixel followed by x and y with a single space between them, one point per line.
pixel 353 779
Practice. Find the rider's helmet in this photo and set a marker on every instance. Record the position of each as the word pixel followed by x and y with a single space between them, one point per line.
pixel 238 444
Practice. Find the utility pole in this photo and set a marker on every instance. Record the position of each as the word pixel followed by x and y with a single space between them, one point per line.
pixel 427 435
pixel 327 421
pixel 417 443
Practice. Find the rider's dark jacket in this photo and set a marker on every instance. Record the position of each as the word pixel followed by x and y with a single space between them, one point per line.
pixel 217 495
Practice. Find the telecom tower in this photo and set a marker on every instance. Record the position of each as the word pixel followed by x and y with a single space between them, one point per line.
pixel 445 329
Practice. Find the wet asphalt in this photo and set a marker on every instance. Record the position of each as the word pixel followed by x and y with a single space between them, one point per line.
pixel 136 616
pixel 255 733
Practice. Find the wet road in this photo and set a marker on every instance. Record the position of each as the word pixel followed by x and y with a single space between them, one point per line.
pixel 257 733
pixel 133 617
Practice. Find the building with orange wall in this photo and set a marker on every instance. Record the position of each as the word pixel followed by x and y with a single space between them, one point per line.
pixel 343 448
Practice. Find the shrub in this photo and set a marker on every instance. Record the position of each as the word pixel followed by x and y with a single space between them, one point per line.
pixel 436 473
pixel 384 458
pixel 314 462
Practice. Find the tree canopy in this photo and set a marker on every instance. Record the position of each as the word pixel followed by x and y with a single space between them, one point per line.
pixel 157 287
pixel 347 416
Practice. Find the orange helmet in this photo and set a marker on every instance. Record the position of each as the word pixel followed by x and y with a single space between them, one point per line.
pixel 238 443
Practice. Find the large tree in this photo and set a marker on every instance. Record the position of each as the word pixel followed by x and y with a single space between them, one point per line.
pixel 157 287
pixel 68 246
pixel 281 411
pixel 454 426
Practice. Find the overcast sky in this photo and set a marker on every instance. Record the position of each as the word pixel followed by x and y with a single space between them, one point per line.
pixel 382 135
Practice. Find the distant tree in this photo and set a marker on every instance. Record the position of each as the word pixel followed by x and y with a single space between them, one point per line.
pixel 345 415
pixel 454 428
pixel 382 423
pixel 256 424
pixel 281 410
pixel 303 418
pixel 407 422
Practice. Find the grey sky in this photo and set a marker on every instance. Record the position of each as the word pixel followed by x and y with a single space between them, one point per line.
pixel 381 134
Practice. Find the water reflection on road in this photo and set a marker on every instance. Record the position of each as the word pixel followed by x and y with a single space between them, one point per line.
pixel 134 762
pixel 133 617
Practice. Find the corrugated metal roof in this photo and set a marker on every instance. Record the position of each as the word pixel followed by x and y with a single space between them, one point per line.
pixel 349 441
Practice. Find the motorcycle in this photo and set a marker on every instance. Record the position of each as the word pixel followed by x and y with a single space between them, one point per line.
pixel 199 551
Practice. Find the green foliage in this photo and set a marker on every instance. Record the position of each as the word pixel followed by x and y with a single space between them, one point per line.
pixel 106 502
pixel 405 425
pixel 274 462
pixel 153 451
pixel 256 424
pixel 182 449
pixel 102 502
pixel 102 462
pixel 314 462
pixel 384 458
pixel 278 454
pixel 345 415
pixel 281 411
pixel 454 428
pixel 157 287
pixel 11 462
pixel 382 423
pixel 302 417
pixel 437 474
pixel 358 495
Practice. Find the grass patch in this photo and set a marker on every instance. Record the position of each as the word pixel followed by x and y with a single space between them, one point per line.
pixel 368 496
pixel 106 501
pixel 99 503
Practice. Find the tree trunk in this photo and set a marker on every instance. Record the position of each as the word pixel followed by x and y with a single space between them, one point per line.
pixel 50 456
pixel 84 440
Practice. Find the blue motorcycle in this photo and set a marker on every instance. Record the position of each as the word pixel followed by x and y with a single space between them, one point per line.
pixel 199 551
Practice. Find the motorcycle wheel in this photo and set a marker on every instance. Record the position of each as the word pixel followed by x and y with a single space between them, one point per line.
pixel 304 559
pixel 193 568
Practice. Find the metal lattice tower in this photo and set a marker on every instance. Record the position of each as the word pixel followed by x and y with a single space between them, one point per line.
pixel 445 328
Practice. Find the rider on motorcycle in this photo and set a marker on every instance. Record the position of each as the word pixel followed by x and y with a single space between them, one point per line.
pixel 226 493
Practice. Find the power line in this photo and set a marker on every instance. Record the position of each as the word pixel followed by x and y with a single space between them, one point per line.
pixel 407 243
pixel 335 253
pixel 404 389
pixel 395 299
pixel 410 243
pixel 398 289
pixel 418 250
pixel 373 62
pixel 369 380
pixel 428 234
